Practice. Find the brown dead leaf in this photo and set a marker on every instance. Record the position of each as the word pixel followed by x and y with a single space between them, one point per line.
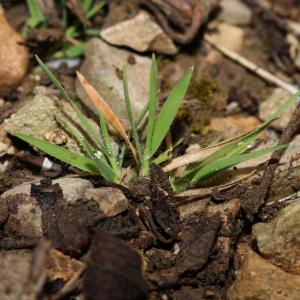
pixel 107 112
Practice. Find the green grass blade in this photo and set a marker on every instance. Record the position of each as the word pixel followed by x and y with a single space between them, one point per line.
pixel 84 121
pixel 103 168
pixel 142 115
pixel 86 5
pixel 239 145
pixel 71 51
pixel 95 9
pixel 224 163
pixel 62 154
pixel 108 143
pixel 152 108
pixel 36 14
pixel 97 156
pixel 169 111
pixel 129 113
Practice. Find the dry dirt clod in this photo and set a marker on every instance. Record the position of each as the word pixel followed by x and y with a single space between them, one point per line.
pixel 114 271
pixel 14 57
pixel 260 280
pixel 111 201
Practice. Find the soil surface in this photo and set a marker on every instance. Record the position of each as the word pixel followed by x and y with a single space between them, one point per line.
pixel 65 234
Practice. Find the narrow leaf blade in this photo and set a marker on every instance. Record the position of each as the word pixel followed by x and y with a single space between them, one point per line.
pixel 107 112
pixel 60 153
pixel 152 106
pixel 169 111
pixel 227 162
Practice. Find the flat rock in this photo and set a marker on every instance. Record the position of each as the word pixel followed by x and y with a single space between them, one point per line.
pixel 72 188
pixel 260 280
pixel 233 126
pixel 14 270
pixel 235 12
pixel 111 201
pixel 14 57
pixel 139 33
pixel 279 239
pixel 229 36
pixel 42 110
pixel 103 67
pixel 268 107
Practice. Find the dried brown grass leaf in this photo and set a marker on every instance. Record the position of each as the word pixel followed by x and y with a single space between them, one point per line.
pixel 106 111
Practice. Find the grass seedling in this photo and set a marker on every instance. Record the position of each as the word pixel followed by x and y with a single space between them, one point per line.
pixel 100 156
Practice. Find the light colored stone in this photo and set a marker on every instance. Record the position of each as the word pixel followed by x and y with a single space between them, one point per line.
pixel 139 33
pixel 279 240
pixel 37 118
pixel 260 280
pixel 229 36
pixel 268 107
pixel 232 126
pixel 111 201
pixel 14 57
pixel 72 188
pixel 103 67
pixel 5 149
pixel 235 12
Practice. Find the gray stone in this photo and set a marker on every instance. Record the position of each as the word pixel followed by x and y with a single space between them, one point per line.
pixel 103 67
pixel 111 201
pixel 139 33
pixel 279 240
pixel 235 12
pixel 37 119
pixel 22 214
pixel 268 107
pixel 260 280
pixel 73 188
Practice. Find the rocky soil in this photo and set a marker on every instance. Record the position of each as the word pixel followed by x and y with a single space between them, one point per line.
pixel 65 234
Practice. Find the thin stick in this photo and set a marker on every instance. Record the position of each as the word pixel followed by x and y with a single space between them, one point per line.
pixel 265 75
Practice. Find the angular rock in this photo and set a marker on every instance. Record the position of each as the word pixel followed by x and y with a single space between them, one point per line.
pixel 42 110
pixel 14 270
pixel 111 201
pixel 14 57
pixel 268 107
pixel 279 240
pixel 229 36
pixel 260 280
pixel 235 12
pixel 233 126
pixel 60 266
pixel 139 33
pixel 103 67
pixel 72 188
